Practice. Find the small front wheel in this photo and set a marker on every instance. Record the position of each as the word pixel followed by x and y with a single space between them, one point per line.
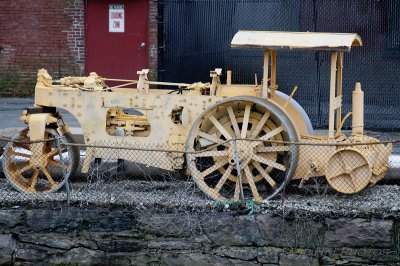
pixel 39 174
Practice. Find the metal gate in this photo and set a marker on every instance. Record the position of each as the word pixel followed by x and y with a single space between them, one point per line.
pixel 194 37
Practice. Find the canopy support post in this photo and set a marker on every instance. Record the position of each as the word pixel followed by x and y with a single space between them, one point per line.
pixel 339 92
pixel 273 73
pixel 332 92
pixel 264 92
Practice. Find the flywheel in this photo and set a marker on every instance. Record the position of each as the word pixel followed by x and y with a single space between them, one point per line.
pixel 348 171
pixel 242 137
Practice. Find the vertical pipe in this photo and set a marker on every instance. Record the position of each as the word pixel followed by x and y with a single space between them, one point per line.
pixel 332 89
pixel 265 74
pixel 238 170
pixel 57 139
pixel 339 91
pixel 273 72
pixel 358 110
pixel 229 77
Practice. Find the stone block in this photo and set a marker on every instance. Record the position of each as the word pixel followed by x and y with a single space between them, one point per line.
pixel 241 253
pixel 268 255
pixel 230 230
pixel 10 218
pixel 358 232
pixel 73 219
pixel 7 247
pixel 79 256
pixel 199 259
pixel 298 260
pixel 50 240
pixel 280 232
pixel 172 245
pixel 119 245
pixel 30 254
pixel 167 224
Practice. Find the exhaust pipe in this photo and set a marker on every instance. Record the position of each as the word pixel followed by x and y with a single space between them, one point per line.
pixel 358 110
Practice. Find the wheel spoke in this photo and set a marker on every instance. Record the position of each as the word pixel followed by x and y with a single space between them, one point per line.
pixel 272 133
pixel 356 185
pixel 264 174
pixel 237 190
pixel 52 153
pixel 22 145
pixel 56 152
pixel 233 121
pixel 211 154
pixel 273 148
pixel 351 182
pixel 223 179
pixel 268 136
pixel 213 168
pixel 260 125
pixel 245 122
pixel 220 127
pixel 269 162
pixel 57 164
pixel 34 180
pixel 23 169
pixel 21 154
pixel 250 179
pixel 22 164
pixel 49 144
pixel 210 137
pixel 358 166
pixel 336 176
pixel 48 176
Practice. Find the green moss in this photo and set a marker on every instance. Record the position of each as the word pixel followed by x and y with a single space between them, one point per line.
pixel 12 84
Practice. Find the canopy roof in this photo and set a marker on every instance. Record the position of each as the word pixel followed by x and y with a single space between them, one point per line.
pixel 296 40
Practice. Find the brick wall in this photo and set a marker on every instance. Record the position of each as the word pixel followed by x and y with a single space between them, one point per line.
pixel 48 34
pixel 36 34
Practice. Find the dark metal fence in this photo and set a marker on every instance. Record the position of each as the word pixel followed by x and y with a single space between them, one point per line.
pixel 195 38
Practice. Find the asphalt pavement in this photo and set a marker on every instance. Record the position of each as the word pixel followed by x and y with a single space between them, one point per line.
pixel 11 110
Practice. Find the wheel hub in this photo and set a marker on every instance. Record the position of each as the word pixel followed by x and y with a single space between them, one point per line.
pixel 244 152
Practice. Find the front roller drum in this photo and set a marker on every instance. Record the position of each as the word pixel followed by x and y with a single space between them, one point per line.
pixel 42 174
pixel 265 167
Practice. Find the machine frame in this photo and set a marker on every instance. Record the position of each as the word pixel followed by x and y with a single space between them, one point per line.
pixel 192 118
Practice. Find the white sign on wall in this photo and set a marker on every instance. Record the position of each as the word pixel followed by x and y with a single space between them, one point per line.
pixel 116 18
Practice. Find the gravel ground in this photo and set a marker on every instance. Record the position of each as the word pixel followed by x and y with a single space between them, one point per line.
pixel 381 200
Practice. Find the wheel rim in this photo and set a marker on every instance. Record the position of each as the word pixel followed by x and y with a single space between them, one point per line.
pixel 265 167
pixel 349 171
pixel 36 177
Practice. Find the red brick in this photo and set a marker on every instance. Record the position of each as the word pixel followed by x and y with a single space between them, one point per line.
pixel 51 34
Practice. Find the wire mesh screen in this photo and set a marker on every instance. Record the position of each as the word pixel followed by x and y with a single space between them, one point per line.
pixel 222 193
pixel 197 35
pixel 266 168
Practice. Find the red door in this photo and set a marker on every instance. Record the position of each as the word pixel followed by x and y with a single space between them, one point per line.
pixel 116 37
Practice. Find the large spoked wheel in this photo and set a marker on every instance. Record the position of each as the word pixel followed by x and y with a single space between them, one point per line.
pixel 265 167
pixel 32 174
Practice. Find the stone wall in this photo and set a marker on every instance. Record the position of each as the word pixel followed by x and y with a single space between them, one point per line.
pixel 120 236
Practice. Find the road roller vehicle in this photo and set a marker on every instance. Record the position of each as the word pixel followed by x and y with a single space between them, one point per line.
pixel 236 141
